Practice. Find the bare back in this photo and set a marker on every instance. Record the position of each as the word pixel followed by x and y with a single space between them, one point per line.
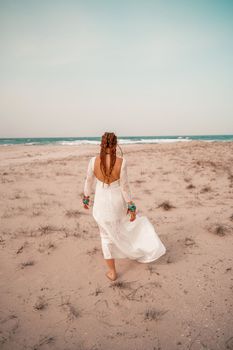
pixel 115 175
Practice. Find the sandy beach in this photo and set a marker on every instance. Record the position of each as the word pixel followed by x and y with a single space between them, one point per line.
pixel 54 292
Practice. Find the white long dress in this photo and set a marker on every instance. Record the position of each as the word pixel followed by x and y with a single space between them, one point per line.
pixel 120 237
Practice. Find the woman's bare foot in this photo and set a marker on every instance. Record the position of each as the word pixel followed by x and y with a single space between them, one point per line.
pixel 112 275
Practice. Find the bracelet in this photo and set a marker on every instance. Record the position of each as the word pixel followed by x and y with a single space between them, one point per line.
pixel 86 200
pixel 132 207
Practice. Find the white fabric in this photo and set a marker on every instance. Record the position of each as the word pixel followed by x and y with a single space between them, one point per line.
pixel 120 237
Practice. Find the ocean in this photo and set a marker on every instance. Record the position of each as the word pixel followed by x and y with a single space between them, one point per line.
pixel 121 139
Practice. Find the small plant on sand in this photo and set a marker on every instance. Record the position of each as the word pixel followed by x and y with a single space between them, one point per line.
pixel 230 175
pixel 98 290
pixel 20 249
pixel 120 285
pixel 169 260
pixel 205 189
pixel 77 234
pixel 43 341
pixel 154 314
pixel 220 230
pixel 93 251
pixel 190 186
pixel 40 304
pixel 74 313
pixel 45 229
pixel 150 268
pixel 139 181
pixel 166 205
pixel 27 263
pixel 73 213
pixel 189 241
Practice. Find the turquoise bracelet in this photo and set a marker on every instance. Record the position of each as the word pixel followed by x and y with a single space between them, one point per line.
pixel 86 200
pixel 132 207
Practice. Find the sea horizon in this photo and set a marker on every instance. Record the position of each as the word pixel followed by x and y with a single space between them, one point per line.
pixel 121 139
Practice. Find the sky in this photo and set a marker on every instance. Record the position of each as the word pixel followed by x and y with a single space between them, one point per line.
pixel 151 68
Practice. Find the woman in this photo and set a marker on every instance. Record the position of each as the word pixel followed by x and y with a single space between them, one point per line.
pixel 121 237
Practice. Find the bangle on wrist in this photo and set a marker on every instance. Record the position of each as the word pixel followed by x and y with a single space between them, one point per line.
pixel 86 199
pixel 131 206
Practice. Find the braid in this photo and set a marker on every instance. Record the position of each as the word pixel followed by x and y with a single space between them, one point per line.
pixel 109 139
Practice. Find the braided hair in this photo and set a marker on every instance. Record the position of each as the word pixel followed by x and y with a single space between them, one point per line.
pixel 109 139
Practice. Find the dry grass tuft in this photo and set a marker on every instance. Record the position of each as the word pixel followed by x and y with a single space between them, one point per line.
pixel 205 189
pixel 189 241
pixel 120 285
pixel 206 163
pixel 45 229
pixel 98 290
pixel 169 260
pixel 40 304
pixel 73 311
pixel 77 234
pixel 51 245
pixel 220 230
pixel 93 251
pixel 5 180
pixel 43 341
pixel 73 213
pixel 139 181
pixel 190 186
pixel 20 249
pixel 154 314
pixel 166 205
pixel 46 246
pixel 27 263
pixel 150 268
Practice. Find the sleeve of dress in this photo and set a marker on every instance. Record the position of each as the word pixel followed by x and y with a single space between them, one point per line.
pixel 124 183
pixel 89 180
